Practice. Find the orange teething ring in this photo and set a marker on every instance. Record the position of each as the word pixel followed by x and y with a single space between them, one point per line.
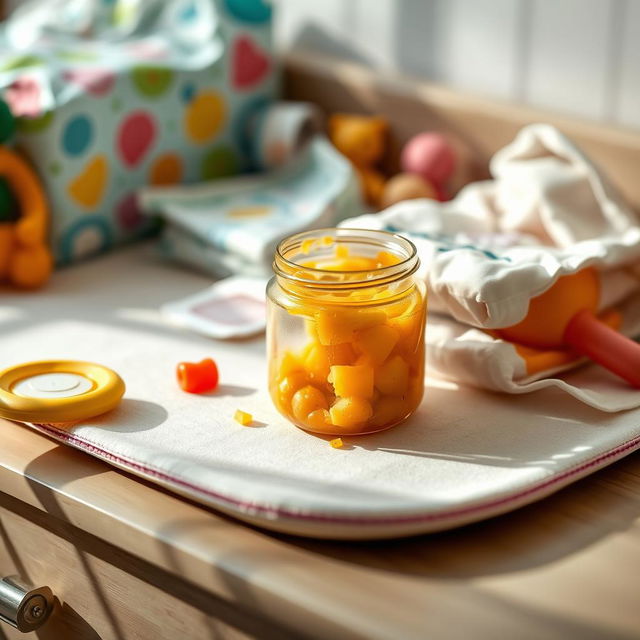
pixel 30 262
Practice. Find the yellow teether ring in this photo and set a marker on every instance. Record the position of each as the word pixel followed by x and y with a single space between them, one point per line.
pixel 55 391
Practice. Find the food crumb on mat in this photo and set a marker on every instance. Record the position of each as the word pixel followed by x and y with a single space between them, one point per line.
pixel 336 443
pixel 243 417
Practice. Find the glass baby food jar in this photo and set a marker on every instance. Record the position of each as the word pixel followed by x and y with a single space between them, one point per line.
pixel 345 330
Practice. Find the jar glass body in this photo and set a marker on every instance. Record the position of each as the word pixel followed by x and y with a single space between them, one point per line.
pixel 345 331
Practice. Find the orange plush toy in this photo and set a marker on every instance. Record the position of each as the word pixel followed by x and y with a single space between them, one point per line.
pixel 25 259
pixel 362 139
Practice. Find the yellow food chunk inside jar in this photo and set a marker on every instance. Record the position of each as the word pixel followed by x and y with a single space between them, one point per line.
pixel 389 410
pixel 350 412
pixel 289 364
pixel 288 385
pixel 349 264
pixel 356 380
pixel 410 328
pixel 307 400
pixel 319 419
pixel 338 326
pixel 416 388
pixel 308 245
pixel 392 377
pixel 386 259
pixel 341 353
pixel 316 363
pixel 318 359
pixel 376 343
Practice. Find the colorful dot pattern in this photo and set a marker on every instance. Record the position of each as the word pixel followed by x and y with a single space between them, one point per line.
pixel 220 162
pixel 136 112
pixel 136 136
pixel 166 170
pixel 204 116
pixel 77 135
pixel 252 11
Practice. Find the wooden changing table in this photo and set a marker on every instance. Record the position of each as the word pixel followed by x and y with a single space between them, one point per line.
pixel 129 560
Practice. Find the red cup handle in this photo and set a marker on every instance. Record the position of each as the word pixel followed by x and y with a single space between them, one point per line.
pixel 594 339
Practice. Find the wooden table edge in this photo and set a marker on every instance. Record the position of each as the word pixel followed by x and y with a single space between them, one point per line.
pixel 255 570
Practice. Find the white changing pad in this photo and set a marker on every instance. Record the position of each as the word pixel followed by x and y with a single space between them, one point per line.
pixel 464 456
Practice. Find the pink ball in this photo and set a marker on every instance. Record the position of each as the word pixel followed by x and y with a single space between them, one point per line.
pixel 431 156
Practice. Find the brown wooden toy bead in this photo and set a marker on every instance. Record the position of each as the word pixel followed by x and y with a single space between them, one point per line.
pixel 406 186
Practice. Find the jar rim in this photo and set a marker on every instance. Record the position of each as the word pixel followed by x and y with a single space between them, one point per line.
pixel 290 270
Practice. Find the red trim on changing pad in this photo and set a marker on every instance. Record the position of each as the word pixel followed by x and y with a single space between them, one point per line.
pixel 492 507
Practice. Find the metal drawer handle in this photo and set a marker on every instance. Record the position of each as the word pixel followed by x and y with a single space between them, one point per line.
pixel 23 606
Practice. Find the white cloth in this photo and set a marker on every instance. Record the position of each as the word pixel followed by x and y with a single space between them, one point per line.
pixel 548 212
pixel 464 456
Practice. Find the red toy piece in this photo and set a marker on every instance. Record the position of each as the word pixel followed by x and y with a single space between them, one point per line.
pixel 198 377
pixel 431 156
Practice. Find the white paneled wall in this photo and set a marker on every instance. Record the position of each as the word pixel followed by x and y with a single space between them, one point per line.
pixel 478 42
pixel 570 55
pixel 626 108
pixel 577 56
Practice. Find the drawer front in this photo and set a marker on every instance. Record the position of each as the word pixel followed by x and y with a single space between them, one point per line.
pixel 95 599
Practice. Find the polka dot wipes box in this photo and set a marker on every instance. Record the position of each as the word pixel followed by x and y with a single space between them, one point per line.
pixel 114 95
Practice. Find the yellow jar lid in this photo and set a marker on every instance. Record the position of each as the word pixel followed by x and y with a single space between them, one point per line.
pixel 50 391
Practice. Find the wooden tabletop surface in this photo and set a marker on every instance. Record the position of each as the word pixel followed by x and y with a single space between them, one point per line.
pixel 566 567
